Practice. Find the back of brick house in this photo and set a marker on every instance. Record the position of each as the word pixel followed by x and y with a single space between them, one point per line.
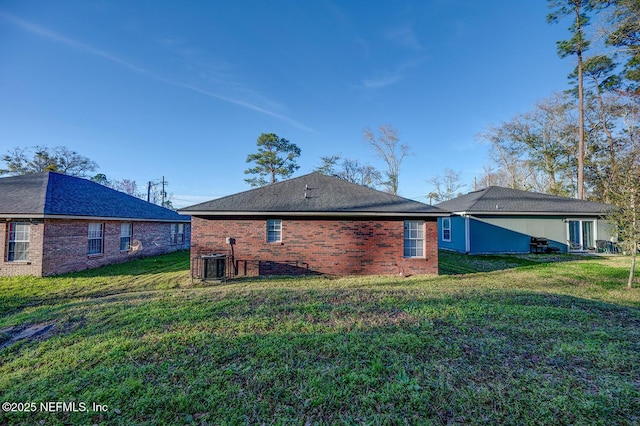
pixel 52 224
pixel 316 224
pixel 316 246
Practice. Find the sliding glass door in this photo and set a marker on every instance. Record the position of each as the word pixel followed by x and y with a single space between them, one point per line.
pixel 581 235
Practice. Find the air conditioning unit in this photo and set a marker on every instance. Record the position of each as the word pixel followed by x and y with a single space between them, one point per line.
pixel 214 267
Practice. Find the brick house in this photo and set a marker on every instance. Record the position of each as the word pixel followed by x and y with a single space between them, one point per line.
pixel 315 224
pixel 52 223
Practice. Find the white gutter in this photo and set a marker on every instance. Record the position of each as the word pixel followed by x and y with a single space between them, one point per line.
pixel 508 213
pixel 319 213
pixel 8 216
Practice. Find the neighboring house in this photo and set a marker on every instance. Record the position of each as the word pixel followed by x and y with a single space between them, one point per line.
pixel 315 224
pixel 52 223
pixel 503 220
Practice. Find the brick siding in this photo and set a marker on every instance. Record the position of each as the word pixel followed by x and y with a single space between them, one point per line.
pixel 314 246
pixel 58 246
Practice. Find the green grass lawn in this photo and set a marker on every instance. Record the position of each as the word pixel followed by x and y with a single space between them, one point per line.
pixel 494 340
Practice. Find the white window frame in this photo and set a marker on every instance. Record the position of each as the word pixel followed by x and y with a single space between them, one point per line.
pixel 274 230
pixel 95 233
pixel 18 235
pixel 126 235
pixel 414 239
pixel 177 233
pixel 446 229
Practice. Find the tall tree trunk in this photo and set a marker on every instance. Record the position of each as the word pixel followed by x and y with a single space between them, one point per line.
pixel 580 117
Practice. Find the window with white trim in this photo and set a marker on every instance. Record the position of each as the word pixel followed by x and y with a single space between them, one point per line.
pixel 96 238
pixel 446 229
pixel 177 233
pixel 274 230
pixel 413 238
pixel 18 241
pixel 126 232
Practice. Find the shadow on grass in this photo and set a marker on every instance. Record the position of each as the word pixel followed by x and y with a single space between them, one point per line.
pixel 453 263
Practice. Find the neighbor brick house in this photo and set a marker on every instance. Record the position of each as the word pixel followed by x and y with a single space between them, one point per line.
pixel 52 223
pixel 315 224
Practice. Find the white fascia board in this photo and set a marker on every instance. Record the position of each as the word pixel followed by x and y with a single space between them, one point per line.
pixel 316 214
pixel 506 213
pixel 8 216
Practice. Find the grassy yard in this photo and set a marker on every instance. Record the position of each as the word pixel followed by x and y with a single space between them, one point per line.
pixel 494 340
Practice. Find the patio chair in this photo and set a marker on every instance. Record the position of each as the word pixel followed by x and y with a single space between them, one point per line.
pixel 603 246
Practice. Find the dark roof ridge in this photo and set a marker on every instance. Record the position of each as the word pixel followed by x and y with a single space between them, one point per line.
pixel 312 193
pixel 248 191
pixel 498 199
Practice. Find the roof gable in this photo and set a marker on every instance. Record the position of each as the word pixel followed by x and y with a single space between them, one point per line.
pixel 314 193
pixel 499 200
pixel 55 194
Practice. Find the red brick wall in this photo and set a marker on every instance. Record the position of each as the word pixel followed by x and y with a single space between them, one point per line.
pixel 66 244
pixel 31 267
pixel 315 246
pixel 57 246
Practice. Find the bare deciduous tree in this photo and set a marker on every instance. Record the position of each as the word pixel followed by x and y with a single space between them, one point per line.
pixel 446 186
pixel 626 216
pixel 38 159
pixel 350 170
pixel 386 144
pixel 536 150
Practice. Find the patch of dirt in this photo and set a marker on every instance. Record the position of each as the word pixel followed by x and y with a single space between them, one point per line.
pixel 11 335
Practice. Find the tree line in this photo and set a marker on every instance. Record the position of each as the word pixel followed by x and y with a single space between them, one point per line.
pixel 580 142
pixel 61 159
pixel 585 141
pixel 276 159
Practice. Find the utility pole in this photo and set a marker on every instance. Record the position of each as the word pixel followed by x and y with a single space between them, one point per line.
pixel 149 192
pixel 163 193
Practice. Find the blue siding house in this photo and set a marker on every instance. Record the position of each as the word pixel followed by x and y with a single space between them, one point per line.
pixel 503 220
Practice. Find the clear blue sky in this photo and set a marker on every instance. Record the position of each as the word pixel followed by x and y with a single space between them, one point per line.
pixel 184 88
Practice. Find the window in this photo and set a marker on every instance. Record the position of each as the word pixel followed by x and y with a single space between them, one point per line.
pixel 413 238
pixel 274 230
pixel 96 234
pixel 446 229
pixel 126 231
pixel 177 233
pixel 18 242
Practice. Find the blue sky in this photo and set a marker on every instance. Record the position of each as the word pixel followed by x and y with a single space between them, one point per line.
pixel 184 89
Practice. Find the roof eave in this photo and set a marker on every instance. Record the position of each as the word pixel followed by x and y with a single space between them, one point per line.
pixel 516 213
pixel 9 216
pixel 314 213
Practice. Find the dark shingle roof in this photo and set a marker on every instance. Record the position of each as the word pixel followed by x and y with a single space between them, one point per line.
pixel 504 201
pixel 54 194
pixel 314 193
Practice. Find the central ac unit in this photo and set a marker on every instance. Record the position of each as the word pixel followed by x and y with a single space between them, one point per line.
pixel 213 267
